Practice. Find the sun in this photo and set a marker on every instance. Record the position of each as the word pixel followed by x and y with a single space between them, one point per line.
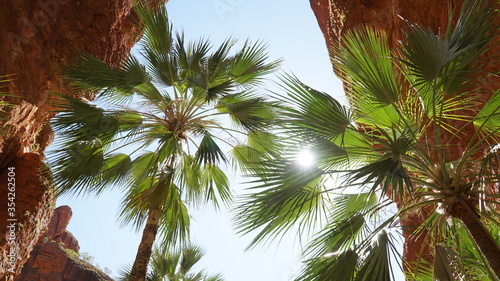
pixel 305 158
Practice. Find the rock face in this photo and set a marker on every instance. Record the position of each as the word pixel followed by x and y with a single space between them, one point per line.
pixel 37 38
pixel 56 255
pixel 335 17
pixel 33 199
pixel 56 229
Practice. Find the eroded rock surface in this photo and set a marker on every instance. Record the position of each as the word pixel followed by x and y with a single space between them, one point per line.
pixel 38 38
pixel 56 229
pixel 34 201
pixel 335 17
pixel 56 255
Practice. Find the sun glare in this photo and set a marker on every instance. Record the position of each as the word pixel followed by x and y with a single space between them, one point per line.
pixel 305 158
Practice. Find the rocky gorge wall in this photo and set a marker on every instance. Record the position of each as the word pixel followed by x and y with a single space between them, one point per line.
pixel 55 256
pixel 38 38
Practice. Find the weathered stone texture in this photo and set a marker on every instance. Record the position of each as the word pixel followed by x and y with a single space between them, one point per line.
pixel 38 38
pixel 56 255
pixel 34 203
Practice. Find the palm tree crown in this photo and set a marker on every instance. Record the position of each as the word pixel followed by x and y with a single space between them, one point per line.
pixel 158 132
pixel 174 265
pixel 419 133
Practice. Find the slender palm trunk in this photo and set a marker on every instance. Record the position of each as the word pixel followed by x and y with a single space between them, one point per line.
pixel 139 269
pixel 483 239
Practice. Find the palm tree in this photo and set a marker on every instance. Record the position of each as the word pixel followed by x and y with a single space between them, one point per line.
pixel 158 131
pixel 420 139
pixel 174 265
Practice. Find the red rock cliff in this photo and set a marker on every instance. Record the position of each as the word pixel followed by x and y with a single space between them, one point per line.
pixel 37 38
pixel 56 255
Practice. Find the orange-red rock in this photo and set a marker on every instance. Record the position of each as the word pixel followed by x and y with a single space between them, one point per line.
pixel 56 255
pixel 337 16
pixel 33 199
pixel 56 229
pixel 37 38
pixel 52 262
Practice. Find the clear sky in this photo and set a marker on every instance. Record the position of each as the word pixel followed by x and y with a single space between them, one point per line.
pixel 291 31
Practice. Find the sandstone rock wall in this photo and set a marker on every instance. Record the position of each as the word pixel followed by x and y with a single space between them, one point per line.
pixel 37 38
pixel 55 257
pixel 335 17
pixel 22 225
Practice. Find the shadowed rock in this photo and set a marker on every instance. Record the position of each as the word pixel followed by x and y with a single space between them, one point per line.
pixel 56 255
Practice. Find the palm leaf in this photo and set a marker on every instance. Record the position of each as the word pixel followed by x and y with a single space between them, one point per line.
pixel 314 111
pixel 337 266
pixel 155 25
pixel 190 177
pixel 216 184
pixel 488 118
pixel 247 158
pixel 175 223
pixel 249 65
pixel 209 152
pixel 377 265
pixel 368 69
pixel 191 255
pixel 339 235
pixel 192 58
pixel 289 195
pixel 451 58
pixel 78 167
pixel 247 111
pixel 90 74
pixel 163 67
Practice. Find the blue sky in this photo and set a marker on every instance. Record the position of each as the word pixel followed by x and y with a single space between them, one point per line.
pixel 291 32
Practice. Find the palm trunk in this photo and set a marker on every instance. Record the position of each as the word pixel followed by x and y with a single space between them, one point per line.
pixel 139 269
pixel 483 239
